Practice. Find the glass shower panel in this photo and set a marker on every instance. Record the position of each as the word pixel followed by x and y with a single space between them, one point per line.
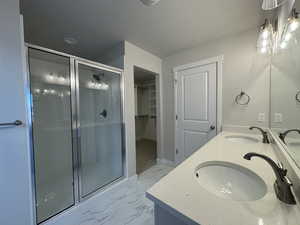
pixel 100 122
pixel 52 134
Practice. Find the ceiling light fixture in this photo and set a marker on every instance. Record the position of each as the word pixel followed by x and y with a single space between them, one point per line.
pixel 265 38
pixel 70 40
pixel 293 22
pixel 292 25
pixel 150 2
pixel 272 4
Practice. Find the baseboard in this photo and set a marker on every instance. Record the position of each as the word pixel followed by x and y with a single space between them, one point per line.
pixel 166 162
pixel 133 178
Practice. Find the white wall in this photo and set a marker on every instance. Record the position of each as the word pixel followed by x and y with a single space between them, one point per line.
pixel 114 56
pixel 135 56
pixel 243 68
pixel 15 181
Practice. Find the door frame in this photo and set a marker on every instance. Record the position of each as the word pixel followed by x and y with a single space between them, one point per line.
pixel 159 113
pixel 219 63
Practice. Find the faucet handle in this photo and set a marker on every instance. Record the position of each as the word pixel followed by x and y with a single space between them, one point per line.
pixel 283 171
pixel 288 181
pixel 280 165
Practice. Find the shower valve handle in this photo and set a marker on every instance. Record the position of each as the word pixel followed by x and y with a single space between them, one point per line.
pixel 103 114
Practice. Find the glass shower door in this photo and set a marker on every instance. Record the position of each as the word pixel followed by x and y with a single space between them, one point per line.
pixel 99 127
pixel 51 132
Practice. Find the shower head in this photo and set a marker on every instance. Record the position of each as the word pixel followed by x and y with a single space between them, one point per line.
pixel 98 77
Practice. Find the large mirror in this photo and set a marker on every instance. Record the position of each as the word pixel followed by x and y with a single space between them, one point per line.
pixel 285 91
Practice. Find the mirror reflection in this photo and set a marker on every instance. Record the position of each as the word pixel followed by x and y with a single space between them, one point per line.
pixel 285 88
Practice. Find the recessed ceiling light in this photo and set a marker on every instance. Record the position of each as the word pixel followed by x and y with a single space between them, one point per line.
pixel 150 2
pixel 70 40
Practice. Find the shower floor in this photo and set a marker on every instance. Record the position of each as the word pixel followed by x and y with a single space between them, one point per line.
pixel 127 205
pixel 145 155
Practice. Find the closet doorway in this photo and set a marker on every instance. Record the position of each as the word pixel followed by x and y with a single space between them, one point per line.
pixel 145 88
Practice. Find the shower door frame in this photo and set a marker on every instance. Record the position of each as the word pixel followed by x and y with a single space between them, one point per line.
pixel 75 104
pixel 75 94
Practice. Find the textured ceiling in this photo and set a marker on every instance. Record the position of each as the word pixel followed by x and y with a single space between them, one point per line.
pixel 166 28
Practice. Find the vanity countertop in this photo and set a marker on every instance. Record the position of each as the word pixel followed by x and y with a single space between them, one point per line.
pixel 180 193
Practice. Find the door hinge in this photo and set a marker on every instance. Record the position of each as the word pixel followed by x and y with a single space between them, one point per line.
pixel 176 151
pixel 176 117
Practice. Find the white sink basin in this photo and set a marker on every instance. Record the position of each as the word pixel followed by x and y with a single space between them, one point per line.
pixel 241 139
pixel 230 181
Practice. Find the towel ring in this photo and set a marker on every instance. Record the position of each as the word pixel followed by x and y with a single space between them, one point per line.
pixel 298 96
pixel 238 98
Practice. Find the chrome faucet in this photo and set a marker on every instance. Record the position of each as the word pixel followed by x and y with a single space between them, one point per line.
pixel 283 134
pixel 282 185
pixel 264 134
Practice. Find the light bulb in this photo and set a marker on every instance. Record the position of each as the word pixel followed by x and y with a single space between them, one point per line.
pixel 294 24
pixel 283 44
pixel 265 34
pixel 287 37
pixel 62 79
pixel 264 43
pixel 263 50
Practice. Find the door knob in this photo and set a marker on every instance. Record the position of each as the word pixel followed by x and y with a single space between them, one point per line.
pixel 212 127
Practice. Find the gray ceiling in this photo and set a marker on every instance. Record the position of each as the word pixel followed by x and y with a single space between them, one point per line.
pixel 168 27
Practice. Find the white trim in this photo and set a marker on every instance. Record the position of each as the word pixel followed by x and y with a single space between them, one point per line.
pixel 28 122
pixel 159 118
pixel 165 162
pixel 219 61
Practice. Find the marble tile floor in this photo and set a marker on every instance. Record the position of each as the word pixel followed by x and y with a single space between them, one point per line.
pixel 126 205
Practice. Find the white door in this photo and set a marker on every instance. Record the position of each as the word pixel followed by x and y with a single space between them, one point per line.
pixel 196 103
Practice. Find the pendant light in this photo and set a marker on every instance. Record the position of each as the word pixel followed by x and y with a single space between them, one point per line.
pixel 265 38
pixel 293 21
pixel 292 25
pixel 272 4
pixel 150 2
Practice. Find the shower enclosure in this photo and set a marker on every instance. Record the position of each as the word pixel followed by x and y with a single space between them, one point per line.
pixel 77 129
